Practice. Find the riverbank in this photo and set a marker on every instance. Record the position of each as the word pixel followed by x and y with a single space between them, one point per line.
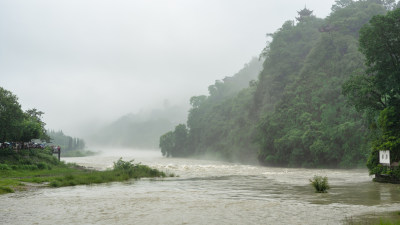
pixel 384 218
pixel 78 153
pixel 37 168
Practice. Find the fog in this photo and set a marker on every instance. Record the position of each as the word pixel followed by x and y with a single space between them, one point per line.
pixel 86 63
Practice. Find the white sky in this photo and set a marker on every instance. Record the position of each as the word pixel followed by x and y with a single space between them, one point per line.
pixel 87 62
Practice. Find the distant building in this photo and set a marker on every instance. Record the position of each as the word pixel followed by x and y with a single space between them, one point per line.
pixel 304 14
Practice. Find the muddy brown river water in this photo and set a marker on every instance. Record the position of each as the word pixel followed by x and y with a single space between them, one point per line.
pixel 204 192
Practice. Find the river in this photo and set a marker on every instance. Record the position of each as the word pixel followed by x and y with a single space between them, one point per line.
pixel 203 192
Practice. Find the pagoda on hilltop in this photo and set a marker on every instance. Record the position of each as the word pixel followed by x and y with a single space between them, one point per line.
pixel 304 14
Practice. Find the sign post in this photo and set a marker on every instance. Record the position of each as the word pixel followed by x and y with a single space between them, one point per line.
pixel 384 157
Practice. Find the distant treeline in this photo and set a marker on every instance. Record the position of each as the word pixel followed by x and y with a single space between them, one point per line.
pixel 66 142
pixel 295 113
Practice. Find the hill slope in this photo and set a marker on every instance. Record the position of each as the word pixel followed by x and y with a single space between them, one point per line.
pixel 295 113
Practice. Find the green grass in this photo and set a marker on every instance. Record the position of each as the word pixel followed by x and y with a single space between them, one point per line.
pixel 375 221
pixel 6 190
pixel 386 218
pixel 96 177
pixel 388 222
pixel 37 166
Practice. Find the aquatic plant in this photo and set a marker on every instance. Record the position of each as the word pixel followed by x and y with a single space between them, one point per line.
pixel 320 184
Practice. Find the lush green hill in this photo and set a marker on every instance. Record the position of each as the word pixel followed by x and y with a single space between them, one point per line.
pixel 295 113
pixel 311 125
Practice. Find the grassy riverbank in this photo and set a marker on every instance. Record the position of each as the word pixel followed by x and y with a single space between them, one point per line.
pixel 38 168
pixel 385 218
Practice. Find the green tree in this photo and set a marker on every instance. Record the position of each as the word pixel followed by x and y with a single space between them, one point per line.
pixel 377 91
pixel 34 126
pixel 167 143
pixel 181 139
pixel 196 101
pixel 29 130
pixel 174 143
pixel 380 44
pixel 16 125
pixel 11 116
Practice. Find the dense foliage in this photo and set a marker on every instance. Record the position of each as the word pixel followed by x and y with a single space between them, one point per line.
pixel 376 91
pixel 16 125
pixel 295 114
pixel 311 125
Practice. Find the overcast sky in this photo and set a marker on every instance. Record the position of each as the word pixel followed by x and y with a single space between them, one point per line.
pixel 84 62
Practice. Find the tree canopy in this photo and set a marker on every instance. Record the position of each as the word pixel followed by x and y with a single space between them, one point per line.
pixel 16 125
pixel 11 116
pixel 377 89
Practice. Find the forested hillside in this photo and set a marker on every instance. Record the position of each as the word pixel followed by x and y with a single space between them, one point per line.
pixel 295 113
pixel 311 124
pixel 218 125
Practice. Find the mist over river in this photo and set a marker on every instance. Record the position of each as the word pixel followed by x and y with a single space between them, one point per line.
pixel 204 192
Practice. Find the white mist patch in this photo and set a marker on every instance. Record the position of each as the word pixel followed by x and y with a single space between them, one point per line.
pixel 128 153
pixel 107 157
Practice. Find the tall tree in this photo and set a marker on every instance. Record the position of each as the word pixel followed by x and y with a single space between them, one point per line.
pixel 377 91
pixel 11 116
pixel 16 125
pixel 167 144
pixel 34 123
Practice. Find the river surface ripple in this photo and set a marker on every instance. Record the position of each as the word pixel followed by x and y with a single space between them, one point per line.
pixel 205 192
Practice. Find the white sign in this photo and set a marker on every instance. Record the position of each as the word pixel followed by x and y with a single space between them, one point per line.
pixel 384 157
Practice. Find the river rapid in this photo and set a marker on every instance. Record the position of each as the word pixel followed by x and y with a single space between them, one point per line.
pixel 204 192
